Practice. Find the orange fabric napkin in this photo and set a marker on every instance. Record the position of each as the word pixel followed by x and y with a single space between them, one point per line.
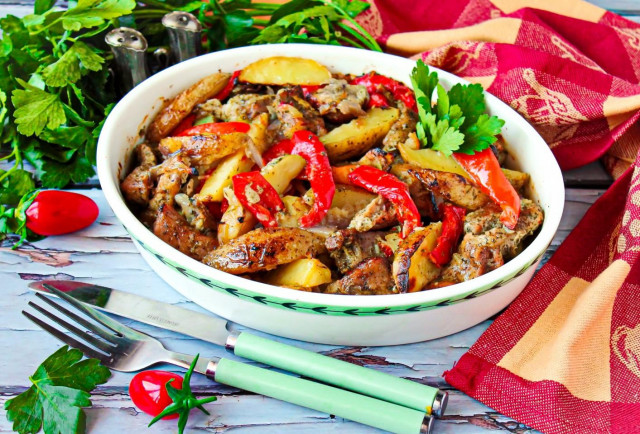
pixel 565 356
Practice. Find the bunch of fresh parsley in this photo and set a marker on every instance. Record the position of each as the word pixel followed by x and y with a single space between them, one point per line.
pixel 56 88
pixel 457 122
pixel 60 388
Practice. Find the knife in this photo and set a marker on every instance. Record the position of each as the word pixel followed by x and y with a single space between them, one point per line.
pixel 346 375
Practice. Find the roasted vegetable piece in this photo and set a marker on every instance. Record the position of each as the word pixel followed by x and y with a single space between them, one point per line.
pixel 226 90
pixel 174 230
pixel 318 171
pixel 285 70
pixel 180 107
pixel 264 249
pixel 370 277
pixel 220 178
pixel 258 197
pixel 452 227
pixel 359 135
pixel 216 128
pixel 484 169
pixel 375 83
pixel 429 159
pixel 184 125
pixel 392 189
pixel 412 268
pixel 305 273
pixel 205 150
pixel 235 220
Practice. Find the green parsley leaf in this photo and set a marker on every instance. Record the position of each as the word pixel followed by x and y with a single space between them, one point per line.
pixel 482 134
pixel 14 185
pixel 58 175
pixel 61 386
pixel 36 109
pixel 92 13
pixel 456 122
pixel 74 63
pixel 42 6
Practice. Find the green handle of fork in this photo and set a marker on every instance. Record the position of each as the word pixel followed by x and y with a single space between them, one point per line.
pixel 327 399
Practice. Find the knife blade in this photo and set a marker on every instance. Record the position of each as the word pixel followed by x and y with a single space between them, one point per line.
pixel 356 378
pixel 143 309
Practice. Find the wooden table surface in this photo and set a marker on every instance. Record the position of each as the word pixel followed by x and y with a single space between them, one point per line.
pixel 103 254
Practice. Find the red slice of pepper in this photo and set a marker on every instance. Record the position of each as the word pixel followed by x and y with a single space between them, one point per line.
pixel 318 172
pixel 216 128
pixel 278 150
pixel 391 188
pixel 484 169
pixel 373 82
pixel 377 100
pixel 452 227
pixel 309 89
pixel 258 197
pixel 226 90
pixel 184 125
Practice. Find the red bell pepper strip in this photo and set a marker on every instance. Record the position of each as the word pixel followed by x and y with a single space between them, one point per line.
pixel 318 172
pixel 216 128
pixel 391 188
pixel 309 89
pixel 258 197
pixel 278 150
pixel 226 90
pixel 452 227
pixel 184 125
pixel 377 100
pixel 484 169
pixel 373 82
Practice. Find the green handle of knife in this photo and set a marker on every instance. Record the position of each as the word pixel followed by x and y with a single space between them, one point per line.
pixel 332 371
pixel 342 403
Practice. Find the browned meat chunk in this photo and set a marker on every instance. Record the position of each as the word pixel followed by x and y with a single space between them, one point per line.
pixel 246 107
pixel 423 198
pixel 348 247
pixel 180 107
pixel 378 214
pixel 174 230
pixel 137 186
pixel 295 113
pixel 340 102
pixel 483 251
pixel 377 158
pixel 370 277
pixel 264 249
pixel 195 212
pixel 204 150
pixel 171 174
pixel 452 188
pixel 212 107
pixel 401 128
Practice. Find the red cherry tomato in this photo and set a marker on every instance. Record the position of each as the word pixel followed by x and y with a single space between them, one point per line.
pixel 148 392
pixel 55 212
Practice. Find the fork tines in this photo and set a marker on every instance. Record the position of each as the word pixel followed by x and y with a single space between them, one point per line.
pixel 97 348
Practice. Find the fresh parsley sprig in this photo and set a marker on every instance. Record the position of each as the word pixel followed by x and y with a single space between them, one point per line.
pixel 457 122
pixel 60 387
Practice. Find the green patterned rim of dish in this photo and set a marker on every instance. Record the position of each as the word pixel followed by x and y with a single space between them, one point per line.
pixel 281 303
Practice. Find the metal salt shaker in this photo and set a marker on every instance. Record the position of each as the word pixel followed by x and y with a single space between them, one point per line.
pixel 184 35
pixel 129 49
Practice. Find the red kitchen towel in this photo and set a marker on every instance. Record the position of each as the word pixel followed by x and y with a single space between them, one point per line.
pixel 565 356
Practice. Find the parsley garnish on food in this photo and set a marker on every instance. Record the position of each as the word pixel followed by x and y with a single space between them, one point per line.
pixel 457 122
pixel 60 389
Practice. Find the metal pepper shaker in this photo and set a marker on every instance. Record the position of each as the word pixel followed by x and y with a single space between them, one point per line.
pixel 184 35
pixel 129 48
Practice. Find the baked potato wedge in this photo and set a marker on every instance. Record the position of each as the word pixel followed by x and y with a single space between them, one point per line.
pixel 305 273
pixel 213 188
pixel 412 269
pixel 205 150
pixel 359 135
pixel 281 171
pixel 264 249
pixel 175 111
pixel 294 208
pixel 285 70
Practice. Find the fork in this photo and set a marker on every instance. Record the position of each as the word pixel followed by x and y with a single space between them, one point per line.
pixel 125 349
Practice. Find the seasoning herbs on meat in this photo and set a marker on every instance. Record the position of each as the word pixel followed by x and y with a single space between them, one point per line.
pixel 292 175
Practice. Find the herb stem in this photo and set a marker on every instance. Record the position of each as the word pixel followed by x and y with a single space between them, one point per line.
pixel 261 22
pixel 372 44
pixel 355 34
pixel 351 42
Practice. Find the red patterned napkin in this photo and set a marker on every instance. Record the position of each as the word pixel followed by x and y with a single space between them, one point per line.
pixel 565 356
